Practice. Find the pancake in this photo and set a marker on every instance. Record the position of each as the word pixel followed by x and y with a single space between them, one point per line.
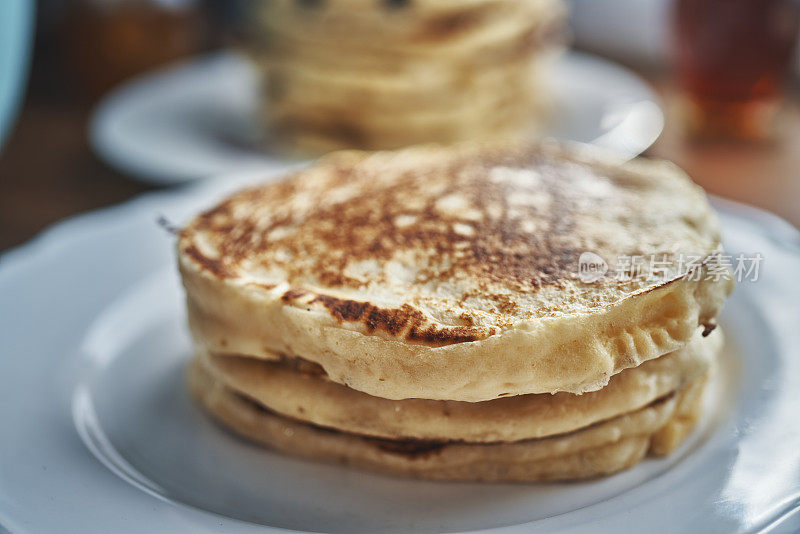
pixel 452 273
pixel 601 449
pixel 423 103
pixel 301 392
pixel 427 92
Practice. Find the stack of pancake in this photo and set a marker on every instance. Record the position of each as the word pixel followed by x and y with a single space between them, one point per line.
pixel 422 312
pixel 377 74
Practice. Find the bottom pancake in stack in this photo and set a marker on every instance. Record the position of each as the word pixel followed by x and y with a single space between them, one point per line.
pixel 290 405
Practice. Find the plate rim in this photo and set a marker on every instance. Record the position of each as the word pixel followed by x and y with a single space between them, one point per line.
pixel 104 115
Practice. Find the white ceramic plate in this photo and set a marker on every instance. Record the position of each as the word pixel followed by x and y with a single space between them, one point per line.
pixel 97 433
pixel 196 119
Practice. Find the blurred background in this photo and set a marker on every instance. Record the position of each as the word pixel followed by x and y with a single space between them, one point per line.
pixel 101 100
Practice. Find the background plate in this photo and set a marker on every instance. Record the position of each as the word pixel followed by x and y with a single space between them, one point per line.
pixel 196 119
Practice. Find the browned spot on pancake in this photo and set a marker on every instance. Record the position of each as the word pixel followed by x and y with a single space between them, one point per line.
pixel 344 309
pixel 392 321
pixel 215 266
pixel 293 294
pixel 395 321
pixel 708 327
pixel 442 336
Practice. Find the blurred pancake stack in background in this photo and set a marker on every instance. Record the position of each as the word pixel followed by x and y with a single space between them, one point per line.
pixel 375 74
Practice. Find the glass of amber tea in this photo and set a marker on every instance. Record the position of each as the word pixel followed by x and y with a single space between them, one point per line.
pixel 731 61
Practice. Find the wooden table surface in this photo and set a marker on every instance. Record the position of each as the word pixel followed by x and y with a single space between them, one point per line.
pixel 48 172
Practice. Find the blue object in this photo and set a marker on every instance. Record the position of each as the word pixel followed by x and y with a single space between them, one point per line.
pixel 16 24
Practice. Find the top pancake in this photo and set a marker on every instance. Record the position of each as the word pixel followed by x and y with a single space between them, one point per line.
pixel 452 273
